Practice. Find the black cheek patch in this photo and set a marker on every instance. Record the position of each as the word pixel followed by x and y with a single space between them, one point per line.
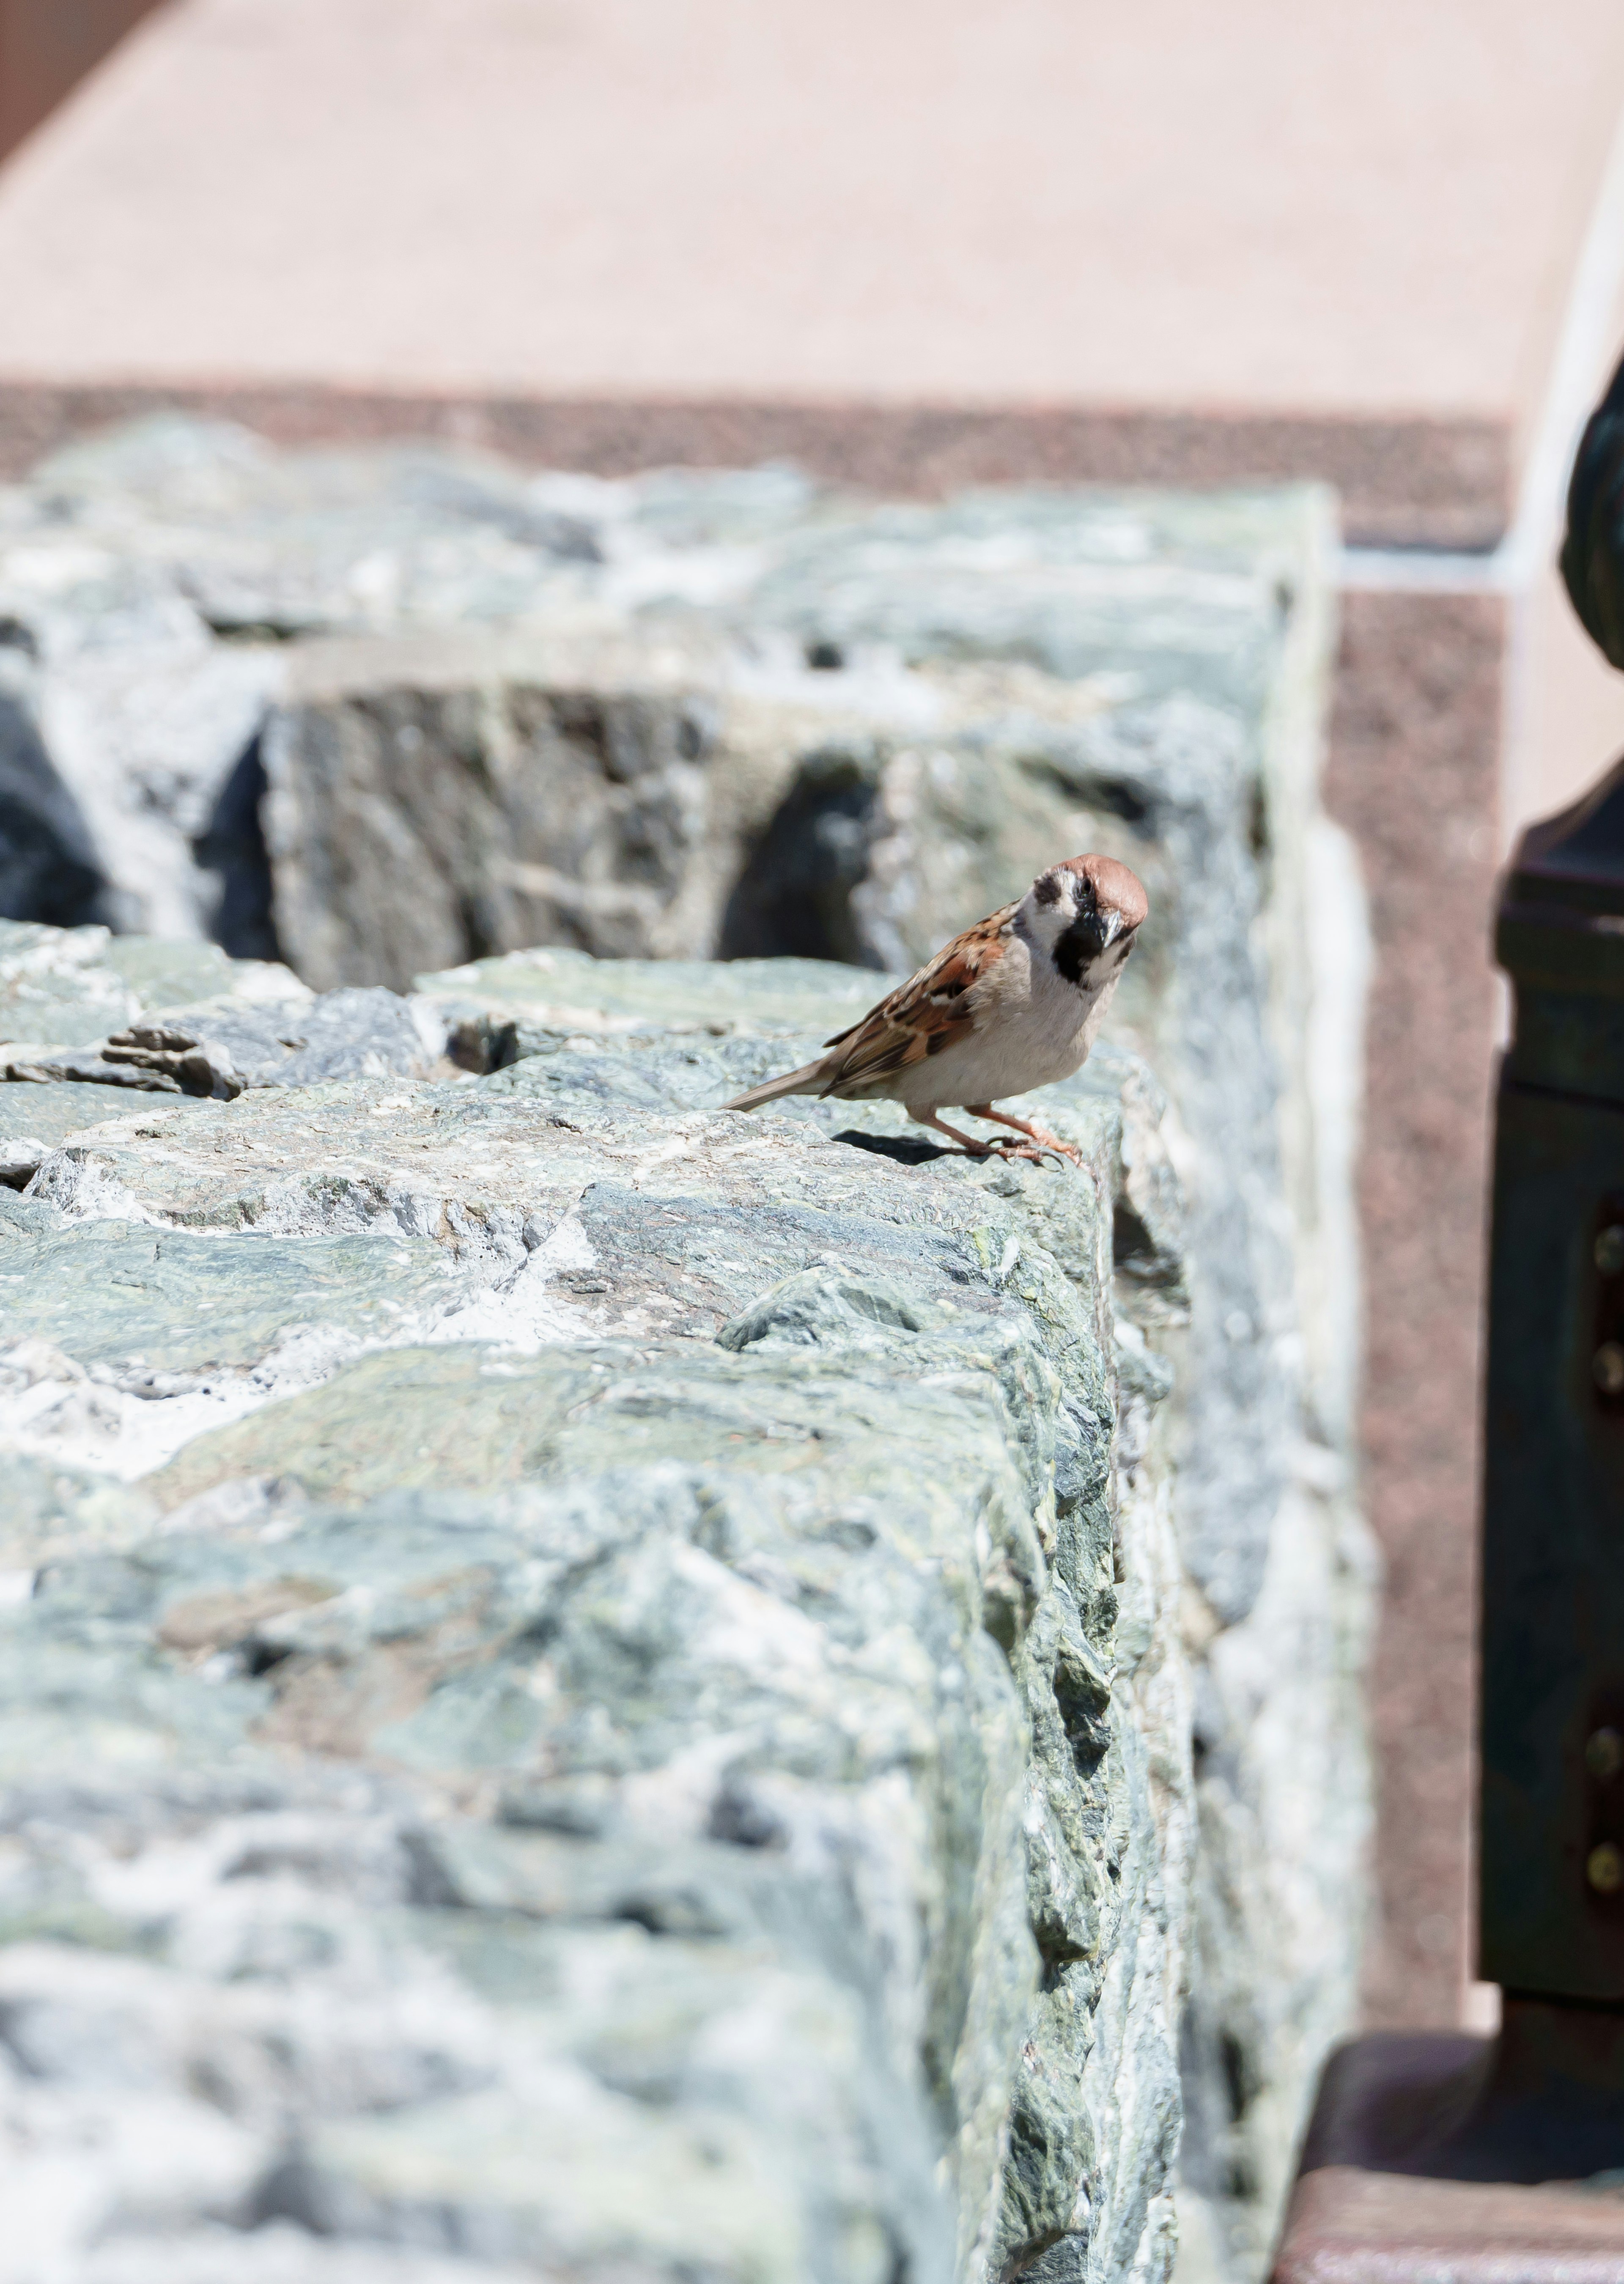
pixel 1078 947
pixel 1046 889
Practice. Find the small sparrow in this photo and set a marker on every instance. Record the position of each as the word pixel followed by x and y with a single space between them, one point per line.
pixel 1014 1003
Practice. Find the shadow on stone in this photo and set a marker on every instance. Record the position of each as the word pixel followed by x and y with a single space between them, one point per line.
pixel 898 1147
pixel 794 898
pixel 48 866
pixel 232 846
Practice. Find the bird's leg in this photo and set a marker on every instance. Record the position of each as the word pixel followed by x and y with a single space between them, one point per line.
pixel 1039 1139
pixel 929 1118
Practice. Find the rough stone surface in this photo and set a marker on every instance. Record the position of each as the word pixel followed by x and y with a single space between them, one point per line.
pixel 595 1685
pixel 71 988
pixel 223 1048
pixel 706 713
pixel 538 707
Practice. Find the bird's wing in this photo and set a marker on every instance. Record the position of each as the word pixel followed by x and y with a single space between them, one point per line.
pixel 922 1016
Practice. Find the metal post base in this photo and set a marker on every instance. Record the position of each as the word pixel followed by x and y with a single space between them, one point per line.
pixel 1438 2155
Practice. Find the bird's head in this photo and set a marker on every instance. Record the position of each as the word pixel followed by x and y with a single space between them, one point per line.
pixel 1083 912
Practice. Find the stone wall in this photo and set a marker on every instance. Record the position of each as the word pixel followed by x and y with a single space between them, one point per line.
pixel 584 1687
pixel 674 1596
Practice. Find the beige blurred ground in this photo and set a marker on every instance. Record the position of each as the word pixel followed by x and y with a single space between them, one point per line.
pixel 1272 206
pixel 916 242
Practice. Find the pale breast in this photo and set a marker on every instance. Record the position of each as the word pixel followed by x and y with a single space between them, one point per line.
pixel 1033 1032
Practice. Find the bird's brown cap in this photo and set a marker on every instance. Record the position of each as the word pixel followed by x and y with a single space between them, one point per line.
pixel 1115 889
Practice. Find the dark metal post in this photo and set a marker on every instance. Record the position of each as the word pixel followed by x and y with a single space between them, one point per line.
pixel 1425 2148
pixel 1552 1863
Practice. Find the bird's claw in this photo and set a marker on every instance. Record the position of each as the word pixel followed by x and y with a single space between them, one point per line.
pixel 1037 1148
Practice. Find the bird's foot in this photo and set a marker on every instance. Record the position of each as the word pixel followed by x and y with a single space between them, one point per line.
pixel 1036 1143
pixel 1048 1143
pixel 1040 1147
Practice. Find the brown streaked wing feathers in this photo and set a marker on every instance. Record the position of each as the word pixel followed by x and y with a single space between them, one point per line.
pixel 922 1015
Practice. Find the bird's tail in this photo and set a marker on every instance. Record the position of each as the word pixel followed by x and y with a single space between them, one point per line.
pixel 808 1080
